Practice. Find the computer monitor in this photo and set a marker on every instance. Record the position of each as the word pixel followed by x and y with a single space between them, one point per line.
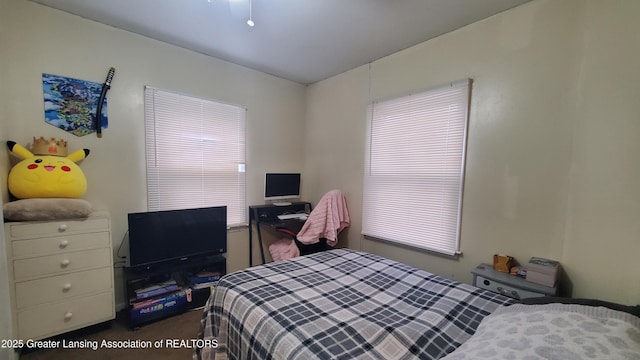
pixel 281 186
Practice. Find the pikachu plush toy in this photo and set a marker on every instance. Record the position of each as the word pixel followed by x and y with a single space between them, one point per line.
pixel 47 172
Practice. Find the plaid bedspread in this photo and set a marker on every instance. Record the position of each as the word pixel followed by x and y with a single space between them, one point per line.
pixel 341 304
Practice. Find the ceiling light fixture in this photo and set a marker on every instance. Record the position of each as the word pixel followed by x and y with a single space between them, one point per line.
pixel 250 21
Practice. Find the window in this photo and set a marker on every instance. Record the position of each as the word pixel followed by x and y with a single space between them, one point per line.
pixel 414 168
pixel 195 154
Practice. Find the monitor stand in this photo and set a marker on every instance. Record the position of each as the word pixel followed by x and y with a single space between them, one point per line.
pixel 281 203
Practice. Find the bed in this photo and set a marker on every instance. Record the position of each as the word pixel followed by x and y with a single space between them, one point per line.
pixel 346 304
pixel 341 304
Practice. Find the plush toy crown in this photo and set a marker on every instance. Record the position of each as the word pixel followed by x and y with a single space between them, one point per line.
pixel 42 146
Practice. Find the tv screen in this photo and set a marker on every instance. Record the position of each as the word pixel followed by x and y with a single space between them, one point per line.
pixel 161 236
pixel 281 186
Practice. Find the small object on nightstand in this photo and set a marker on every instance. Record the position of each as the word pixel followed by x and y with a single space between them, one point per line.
pixel 518 271
pixel 502 262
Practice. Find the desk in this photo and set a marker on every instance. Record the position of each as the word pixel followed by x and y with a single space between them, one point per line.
pixel 268 215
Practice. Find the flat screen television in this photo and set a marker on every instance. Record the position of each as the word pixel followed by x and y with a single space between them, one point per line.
pixel 281 186
pixel 176 235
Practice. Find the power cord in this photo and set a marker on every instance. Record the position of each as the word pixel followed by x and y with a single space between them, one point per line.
pixel 120 247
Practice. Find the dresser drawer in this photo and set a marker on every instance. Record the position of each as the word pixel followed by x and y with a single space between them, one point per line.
pixel 55 288
pixel 58 244
pixel 43 321
pixel 52 228
pixel 25 269
pixel 505 289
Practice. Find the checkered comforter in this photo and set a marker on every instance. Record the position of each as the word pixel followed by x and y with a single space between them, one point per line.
pixel 341 304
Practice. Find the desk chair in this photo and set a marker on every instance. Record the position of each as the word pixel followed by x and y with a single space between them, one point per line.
pixel 319 232
pixel 303 249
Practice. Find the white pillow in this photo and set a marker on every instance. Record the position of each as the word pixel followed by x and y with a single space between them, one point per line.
pixel 46 209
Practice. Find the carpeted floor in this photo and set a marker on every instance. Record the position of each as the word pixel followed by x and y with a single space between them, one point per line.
pixel 184 326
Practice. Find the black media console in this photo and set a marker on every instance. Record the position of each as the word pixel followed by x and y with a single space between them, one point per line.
pixel 166 289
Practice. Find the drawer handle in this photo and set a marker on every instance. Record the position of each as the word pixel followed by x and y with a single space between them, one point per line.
pixel 510 293
pixel 68 315
pixel 66 287
pixel 62 227
pixel 65 263
pixel 64 244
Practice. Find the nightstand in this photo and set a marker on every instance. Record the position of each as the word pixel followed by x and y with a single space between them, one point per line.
pixel 485 277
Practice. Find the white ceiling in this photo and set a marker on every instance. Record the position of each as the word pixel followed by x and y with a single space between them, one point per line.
pixel 301 40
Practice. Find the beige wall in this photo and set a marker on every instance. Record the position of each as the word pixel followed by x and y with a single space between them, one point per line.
pixel 36 39
pixel 5 306
pixel 602 241
pixel 553 143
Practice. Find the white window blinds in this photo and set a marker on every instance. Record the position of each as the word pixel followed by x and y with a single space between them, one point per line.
pixel 195 154
pixel 414 168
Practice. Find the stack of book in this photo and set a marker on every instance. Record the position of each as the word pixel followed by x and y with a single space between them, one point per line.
pixel 543 271
pixel 156 289
pixel 157 299
pixel 167 302
pixel 204 279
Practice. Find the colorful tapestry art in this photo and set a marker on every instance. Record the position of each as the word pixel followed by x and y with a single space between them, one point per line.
pixel 70 104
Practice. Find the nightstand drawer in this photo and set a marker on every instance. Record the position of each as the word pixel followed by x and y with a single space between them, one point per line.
pixel 55 288
pixel 25 269
pixel 43 321
pixel 57 244
pixel 504 289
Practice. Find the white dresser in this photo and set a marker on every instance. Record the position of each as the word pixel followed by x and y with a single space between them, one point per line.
pixel 60 274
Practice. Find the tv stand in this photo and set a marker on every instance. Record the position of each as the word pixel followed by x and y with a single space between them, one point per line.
pixel 190 290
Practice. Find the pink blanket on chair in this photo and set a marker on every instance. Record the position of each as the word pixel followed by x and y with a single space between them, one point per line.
pixel 328 218
pixel 283 249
